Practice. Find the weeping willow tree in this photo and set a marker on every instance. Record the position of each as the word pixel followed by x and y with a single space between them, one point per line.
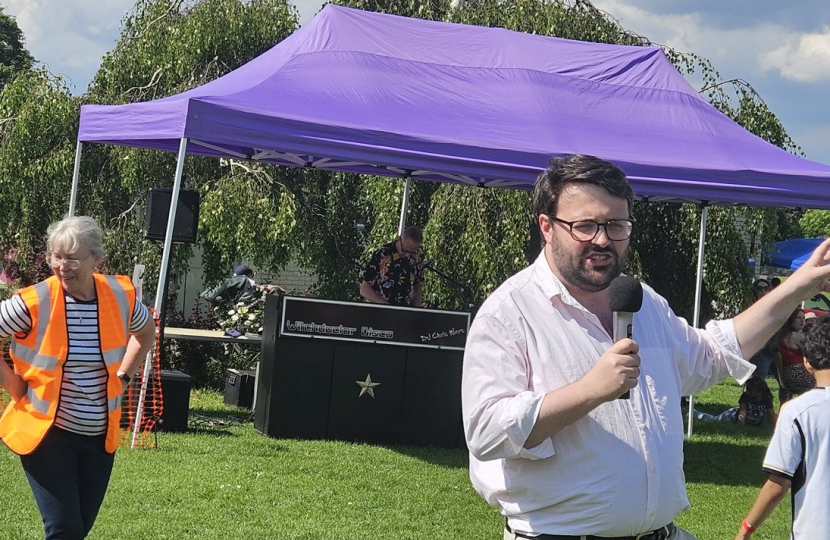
pixel 167 47
pixel 329 222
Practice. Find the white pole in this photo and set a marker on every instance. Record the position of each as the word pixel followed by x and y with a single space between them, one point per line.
pixel 404 204
pixel 701 250
pixel 165 262
pixel 76 173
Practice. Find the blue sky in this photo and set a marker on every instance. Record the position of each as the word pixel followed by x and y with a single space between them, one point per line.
pixel 781 48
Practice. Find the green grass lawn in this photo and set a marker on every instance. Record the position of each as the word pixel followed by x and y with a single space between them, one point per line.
pixel 224 480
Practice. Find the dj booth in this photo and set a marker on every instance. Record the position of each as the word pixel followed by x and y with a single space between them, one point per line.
pixel 360 372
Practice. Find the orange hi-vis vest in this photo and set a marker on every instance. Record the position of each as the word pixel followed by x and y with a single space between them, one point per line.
pixel 40 354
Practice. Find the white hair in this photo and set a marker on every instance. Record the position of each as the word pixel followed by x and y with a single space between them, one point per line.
pixel 74 232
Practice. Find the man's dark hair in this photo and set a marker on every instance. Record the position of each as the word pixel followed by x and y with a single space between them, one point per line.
pixel 817 345
pixel 414 234
pixel 578 169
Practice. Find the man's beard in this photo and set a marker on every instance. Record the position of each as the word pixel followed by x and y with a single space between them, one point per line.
pixel 576 272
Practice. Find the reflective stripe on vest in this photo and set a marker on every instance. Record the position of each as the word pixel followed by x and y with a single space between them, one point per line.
pixel 115 355
pixel 40 354
pixel 40 405
pixel 114 403
pixel 31 355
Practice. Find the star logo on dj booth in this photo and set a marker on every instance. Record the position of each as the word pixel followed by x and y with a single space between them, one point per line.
pixel 367 386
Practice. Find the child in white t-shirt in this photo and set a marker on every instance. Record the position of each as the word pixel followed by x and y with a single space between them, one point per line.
pixel 798 456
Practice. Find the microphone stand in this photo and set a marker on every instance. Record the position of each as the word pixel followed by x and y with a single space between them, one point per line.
pixel 466 292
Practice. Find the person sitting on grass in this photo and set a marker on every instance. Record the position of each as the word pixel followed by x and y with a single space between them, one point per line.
pixel 797 456
pixel 754 405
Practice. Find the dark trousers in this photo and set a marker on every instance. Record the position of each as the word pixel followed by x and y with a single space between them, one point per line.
pixel 68 474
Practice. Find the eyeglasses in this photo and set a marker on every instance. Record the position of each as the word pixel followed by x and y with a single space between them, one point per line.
pixel 586 230
pixel 71 264
pixel 761 288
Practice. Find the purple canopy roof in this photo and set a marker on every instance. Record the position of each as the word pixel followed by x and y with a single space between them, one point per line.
pixel 382 94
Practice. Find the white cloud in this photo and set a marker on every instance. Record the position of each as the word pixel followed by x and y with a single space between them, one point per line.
pixel 69 37
pixel 734 52
pixel 804 57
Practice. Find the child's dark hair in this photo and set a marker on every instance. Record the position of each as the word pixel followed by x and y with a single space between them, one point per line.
pixel 757 384
pixel 817 345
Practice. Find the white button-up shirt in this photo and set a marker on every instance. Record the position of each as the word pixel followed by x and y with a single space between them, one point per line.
pixel 617 471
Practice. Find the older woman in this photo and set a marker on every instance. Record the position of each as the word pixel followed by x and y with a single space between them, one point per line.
pixel 77 337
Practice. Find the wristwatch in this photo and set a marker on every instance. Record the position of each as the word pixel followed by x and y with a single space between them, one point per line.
pixel 124 377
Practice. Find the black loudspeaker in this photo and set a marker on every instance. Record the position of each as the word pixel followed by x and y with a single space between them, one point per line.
pixel 187 215
pixel 239 388
pixel 175 392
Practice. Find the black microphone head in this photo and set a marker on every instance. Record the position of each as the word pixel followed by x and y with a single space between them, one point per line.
pixel 428 263
pixel 626 294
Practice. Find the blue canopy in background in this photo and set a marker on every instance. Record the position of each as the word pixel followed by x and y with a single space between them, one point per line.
pixel 791 254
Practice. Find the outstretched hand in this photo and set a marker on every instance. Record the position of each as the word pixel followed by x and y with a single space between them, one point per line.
pixel 758 323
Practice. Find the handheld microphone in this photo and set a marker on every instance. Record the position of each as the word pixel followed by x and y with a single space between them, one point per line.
pixel 429 263
pixel 626 295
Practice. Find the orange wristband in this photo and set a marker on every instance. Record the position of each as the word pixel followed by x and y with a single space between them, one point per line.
pixel 747 527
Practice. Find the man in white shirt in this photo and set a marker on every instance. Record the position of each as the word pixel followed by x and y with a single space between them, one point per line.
pixel 551 444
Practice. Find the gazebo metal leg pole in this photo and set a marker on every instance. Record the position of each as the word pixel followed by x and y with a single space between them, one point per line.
pixel 701 250
pixel 404 205
pixel 76 173
pixel 165 263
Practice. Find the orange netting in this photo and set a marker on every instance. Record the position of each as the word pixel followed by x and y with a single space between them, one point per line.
pixel 153 401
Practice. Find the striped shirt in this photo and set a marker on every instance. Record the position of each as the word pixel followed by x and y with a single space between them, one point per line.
pixel 82 407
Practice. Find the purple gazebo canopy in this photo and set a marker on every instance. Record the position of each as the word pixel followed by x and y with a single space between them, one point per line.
pixel 373 93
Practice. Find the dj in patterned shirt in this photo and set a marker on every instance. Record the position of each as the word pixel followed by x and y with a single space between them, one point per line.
pixel 395 273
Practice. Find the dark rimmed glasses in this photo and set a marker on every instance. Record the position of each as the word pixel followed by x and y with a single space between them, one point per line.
pixel 586 230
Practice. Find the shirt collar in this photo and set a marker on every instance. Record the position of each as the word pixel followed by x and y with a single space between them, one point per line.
pixel 547 280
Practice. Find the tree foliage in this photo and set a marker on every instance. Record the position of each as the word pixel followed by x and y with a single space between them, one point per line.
pixel 816 223
pixel 14 57
pixel 38 123
pixel 166 47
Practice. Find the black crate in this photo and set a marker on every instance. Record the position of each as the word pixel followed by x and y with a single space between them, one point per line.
pixel 239 388
pixel 175 391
